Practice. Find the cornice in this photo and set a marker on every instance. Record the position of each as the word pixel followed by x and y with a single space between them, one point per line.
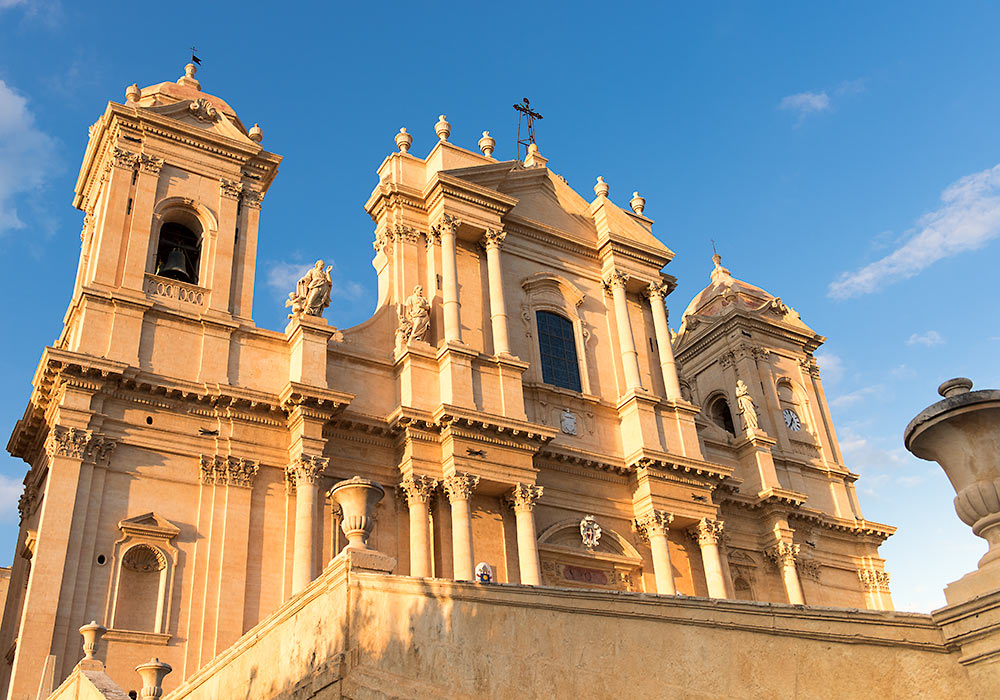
pixel 741 319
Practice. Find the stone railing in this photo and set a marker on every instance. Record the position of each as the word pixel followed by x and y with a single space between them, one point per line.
pixel 166 288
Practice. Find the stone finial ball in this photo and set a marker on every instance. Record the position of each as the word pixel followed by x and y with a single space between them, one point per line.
pixel 954 387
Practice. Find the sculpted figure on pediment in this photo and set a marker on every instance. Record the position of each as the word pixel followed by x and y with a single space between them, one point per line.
pixel 747 408
pixel 312 292
pixel 414 317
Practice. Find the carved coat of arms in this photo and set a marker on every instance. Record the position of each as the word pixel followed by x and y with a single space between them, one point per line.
pixel 568 422
pixel 590 531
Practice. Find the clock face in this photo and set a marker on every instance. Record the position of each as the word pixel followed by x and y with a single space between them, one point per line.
pixel 792 420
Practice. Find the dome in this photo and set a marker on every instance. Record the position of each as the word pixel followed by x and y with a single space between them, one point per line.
pixel 724 293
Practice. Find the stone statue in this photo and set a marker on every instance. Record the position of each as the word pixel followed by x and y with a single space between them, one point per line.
pixel 746 406
pixel 414 317
pixel 312 292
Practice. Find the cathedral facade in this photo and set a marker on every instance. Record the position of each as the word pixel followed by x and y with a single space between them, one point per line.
pixel 518 393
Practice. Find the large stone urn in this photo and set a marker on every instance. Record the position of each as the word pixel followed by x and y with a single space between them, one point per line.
pixel 357 498
pixel 962 434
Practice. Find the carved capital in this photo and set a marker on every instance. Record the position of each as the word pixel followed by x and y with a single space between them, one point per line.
pixel 656 522
pixel 460 486
pixel 418 489
pixel 657 290
pixel 29 501
pixel 616 279
pixel 251 197
pixel 228 471
pixel 783 553
pixel 150 164
pixel 126 160
pixel 448 224
pixel 523 497
pixel 307 469
pixel 230 189
pixel 809 366
pixel 873 580
pixel 707 532
pixel 493 239
pixel 80 444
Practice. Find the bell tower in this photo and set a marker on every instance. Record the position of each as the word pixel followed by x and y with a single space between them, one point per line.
pixel 171 185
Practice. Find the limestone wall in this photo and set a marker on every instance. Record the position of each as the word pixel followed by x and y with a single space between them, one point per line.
pixel 411 638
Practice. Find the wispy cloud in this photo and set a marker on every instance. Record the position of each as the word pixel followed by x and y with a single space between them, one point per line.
pixel 968 220
pixel 854 397
pixel 27 157
pixel 831 365
pixel 929 339
pixel 805 103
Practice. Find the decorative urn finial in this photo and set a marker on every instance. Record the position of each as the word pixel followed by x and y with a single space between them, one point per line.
pixel 954 387
pixel 638 203
pixel 403 140
pixel 92 634
pixel 602 188
pixel 256 134
pixel 487 144
pixel 132 93
pixel 442 128
pixel 188 77
pixel 357 498
pixel 152 673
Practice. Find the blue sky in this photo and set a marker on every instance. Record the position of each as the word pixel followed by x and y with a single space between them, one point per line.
pixel 841 157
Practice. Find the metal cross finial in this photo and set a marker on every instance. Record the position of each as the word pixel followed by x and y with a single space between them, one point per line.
pixel 194 58
pixel 714 251
pixel 524 109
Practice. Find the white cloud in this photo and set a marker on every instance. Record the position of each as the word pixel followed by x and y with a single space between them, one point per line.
pixel 930 339
pixel 831 365
pixel 27 157
pixel 7 4
pixel 854 397
pixel 10 492
pixel 804 103
pixel 968 220
pixel 902 372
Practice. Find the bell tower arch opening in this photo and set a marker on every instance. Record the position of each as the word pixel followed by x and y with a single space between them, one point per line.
pixel 178 249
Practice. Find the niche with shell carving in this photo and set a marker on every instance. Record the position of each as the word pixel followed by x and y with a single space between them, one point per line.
pixel 142 579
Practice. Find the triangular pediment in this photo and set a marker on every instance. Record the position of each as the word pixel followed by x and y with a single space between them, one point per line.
pixel 202 113
pixel 149 525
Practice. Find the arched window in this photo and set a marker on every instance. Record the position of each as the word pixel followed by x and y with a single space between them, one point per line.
pixel 720 414
pixel 742 589
pixel 141 587
pixel 178 253
pixel 557 348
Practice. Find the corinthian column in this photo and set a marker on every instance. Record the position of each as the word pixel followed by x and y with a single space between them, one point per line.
pixel 305 473
pixel 449 278
pixel 459 490
pixel 418 491
pixel 654 527
pixel 616 281
pixel 657 293
pixel 522 500
pixel 784 555
pixel 492 242
pixel 708 534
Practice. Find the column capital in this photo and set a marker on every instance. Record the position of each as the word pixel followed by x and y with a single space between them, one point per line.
pixel 523 497
pixel 655 522
pixel 493 238
pixel 707 532
pixel 448 223
pixel 228 471
pixel 873 580
pixel 616 279
pixel 417 488
pixel 459 487
pixel 783 553
pixel 306 469
pixel 79 443
pixel 656 290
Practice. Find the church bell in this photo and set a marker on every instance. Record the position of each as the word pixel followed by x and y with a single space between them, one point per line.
pixel 175 266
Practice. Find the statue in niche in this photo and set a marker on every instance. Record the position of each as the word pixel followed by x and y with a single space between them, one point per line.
pixel 747 408
pixel 414 317
pixel 312 292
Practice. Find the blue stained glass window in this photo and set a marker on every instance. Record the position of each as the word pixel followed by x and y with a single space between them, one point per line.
pixel 557 346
